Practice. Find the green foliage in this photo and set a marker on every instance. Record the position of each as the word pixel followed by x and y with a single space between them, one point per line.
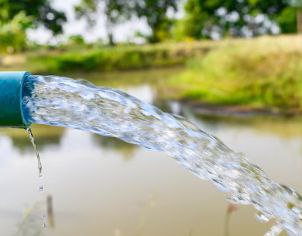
pixel 12 34
pixel 270 77
pixel 155 12
pixel 40 11
pixel 193 23
pixel 219 18
pixel 75 40
pixel 287 20
pixel 114 58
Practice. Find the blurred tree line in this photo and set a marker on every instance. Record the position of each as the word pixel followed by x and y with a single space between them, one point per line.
pixel 213 19
pixel 203 18
pixel 117 11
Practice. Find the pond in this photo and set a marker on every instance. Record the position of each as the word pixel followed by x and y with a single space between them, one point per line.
pixel 103 186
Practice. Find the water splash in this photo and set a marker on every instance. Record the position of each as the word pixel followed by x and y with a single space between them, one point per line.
pixel 78 104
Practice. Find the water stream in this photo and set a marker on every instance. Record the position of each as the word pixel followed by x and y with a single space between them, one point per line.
pixel 32 140
pixel 64 102
pixel 40 169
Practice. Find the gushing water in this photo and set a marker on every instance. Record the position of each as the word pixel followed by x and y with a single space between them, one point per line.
pixel 78 104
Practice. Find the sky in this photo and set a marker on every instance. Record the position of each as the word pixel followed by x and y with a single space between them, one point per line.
pixel 122 32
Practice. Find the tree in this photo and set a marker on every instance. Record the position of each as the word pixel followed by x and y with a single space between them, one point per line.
pixel 155 12
pixel 298 5
pixel 39 11
pixel 239 18
pixel 116 11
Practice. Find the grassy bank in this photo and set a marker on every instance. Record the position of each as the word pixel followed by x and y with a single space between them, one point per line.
pixel 94 58
pixel 262 73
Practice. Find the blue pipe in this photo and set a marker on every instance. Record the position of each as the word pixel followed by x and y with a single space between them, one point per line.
pixel 12 91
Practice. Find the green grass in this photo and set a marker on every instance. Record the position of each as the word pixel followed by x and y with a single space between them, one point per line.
pixel 114 58
pixel 258 73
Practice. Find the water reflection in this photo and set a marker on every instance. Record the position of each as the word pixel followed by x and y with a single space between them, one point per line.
pixel 230 210
pixel 107 143
pixel 282 127
pixel 50 212
pixel 31 224
pixel 23 144
pixel 46 137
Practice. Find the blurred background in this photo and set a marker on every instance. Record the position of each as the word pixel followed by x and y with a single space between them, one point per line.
pixel 234 67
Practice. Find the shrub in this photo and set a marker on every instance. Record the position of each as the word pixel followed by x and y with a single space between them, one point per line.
pixel 265 72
